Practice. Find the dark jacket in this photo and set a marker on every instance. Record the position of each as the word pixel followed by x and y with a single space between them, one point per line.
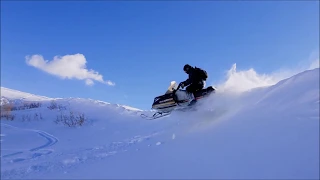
pixel 194 78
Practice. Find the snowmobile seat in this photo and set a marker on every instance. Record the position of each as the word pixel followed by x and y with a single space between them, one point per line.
pixel 204 92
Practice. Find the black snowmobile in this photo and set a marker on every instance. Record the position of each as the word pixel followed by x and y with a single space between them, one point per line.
pixel 176 99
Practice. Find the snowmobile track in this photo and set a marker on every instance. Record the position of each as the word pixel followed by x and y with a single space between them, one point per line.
pixel 51 140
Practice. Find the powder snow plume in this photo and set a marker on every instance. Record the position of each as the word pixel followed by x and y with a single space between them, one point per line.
pixel 244 80
pixel 230 94
pixel 241 81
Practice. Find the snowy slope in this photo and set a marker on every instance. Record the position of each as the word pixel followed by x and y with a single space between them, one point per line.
pixel 14 94
pixel 8 95
pixel 268 132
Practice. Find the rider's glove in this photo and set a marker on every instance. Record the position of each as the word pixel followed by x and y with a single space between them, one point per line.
pixel 181 85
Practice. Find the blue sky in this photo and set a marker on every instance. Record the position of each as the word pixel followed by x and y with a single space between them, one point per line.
pixel 142 46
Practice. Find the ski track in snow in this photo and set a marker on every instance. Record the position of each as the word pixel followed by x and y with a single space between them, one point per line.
pixel 65 161
pixel 36 151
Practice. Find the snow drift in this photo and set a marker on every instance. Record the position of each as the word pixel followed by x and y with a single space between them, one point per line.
pixel 270 131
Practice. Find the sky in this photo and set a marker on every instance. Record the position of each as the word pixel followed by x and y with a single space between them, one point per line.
pixel 129 52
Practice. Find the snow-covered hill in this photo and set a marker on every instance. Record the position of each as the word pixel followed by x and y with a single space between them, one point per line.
pixel 15 95
pixel 269 132
pixel 18 97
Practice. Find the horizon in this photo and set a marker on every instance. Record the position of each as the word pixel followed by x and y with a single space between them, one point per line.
pixel 99 46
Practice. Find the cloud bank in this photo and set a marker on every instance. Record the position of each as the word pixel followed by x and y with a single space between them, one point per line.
pixel 68 67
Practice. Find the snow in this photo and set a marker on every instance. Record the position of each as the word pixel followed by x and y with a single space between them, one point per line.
pixel 14 94
pixel 19 97
pixel 267 131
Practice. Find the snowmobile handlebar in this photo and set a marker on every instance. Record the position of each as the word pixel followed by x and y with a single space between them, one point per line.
pixel 177 88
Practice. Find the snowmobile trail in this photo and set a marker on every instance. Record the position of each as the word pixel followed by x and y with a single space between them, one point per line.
pixel 62 163
pixel 33 152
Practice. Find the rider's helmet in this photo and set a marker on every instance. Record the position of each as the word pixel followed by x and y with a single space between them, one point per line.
pixel 187 68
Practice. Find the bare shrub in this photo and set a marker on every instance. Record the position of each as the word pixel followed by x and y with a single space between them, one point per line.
pixel 8 116
pixel 53 105
pixel 37 116
pixel 27 105
pixel 28 117
pixel 33 105
pixel 6 110
pixel 71 119
pixel 61 107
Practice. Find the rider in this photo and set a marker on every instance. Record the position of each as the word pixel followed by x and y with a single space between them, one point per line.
pixel 195 82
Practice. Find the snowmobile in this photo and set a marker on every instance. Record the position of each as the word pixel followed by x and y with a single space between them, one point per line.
pixel 176 99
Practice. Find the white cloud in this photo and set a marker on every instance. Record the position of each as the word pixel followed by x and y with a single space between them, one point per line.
pixel 110 83
pixel 67 67
pixel 89 82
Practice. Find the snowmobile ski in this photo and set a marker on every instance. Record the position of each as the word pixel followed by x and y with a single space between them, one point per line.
pixel 155 115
